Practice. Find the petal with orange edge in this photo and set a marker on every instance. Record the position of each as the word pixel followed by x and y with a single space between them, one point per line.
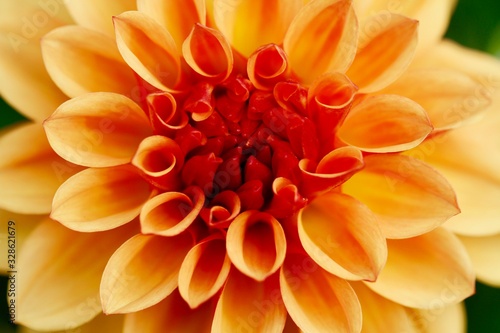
pixel 204 271
pixel 425 270
pixel 249 24
pixel 30 171
pixel 343 236
pixel 172 313
pixel 384 54
pixel 483 252
pixel 316 300
pixel 322 38
pixel 96 129
pixel 408 196
pixel 384 124
pixel 142 272
pixel 148 49
pixel 256 244
pixel 76 261
pixel 249 305
pixel 267 66
pixel 99 199
pixel 81 61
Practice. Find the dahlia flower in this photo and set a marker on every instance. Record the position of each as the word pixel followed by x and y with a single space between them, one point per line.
pixel 250 166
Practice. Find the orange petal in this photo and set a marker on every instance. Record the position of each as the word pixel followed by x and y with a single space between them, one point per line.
pixel 246 305
pixel 343 236
pixel 256 244
pixel 316 300
pixel 268 66
pixel 99 199
pixel 68 273
pixel 208 53
pixel 423 270
pixel 172 313
pixel 142 272
pixel 30 171
pixel 408 196
pixel 81 61
pixel 249 24
pixel 322 38
pixel 204 271
pixel 166 117
pixel 177 16
pixel 148 49
pixel 95 129
pixel 223 209
pixel 385 53
pixel 96 15
pixel 170 213
pixel 483 252
pixel 384 124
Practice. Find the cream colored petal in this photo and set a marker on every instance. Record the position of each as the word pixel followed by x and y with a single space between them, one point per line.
pixel 249 24
pixel 148 49
pixel 316 300
pixel 30 171
pixel 97 15
pixel 80 61
pixel 246 305
pixel 142 272
pixel 449 319
pixel 256 244
pixel 99 199
pixel 425 270
pixel 96 129
pixel 408 196
pixel 322 38
pixel 100 324
pixel 65 267
pixel 177 16
pixel 343 236
pixel 173 314
pixel 384 124
pixel 483 252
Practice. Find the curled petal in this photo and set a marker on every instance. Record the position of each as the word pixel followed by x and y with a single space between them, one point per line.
pixel 435 265
pixel 170 213
pixel 200 171
pixel 316 300
pixel 148 49
pixel 289 95
pixel 164 114
pixel 250 195
pixel 200 103
pixel 208 53
pixel 268 66
pixel 225 206
pixel 99 199
pixel 483 252
pixel 142 272
pixel 384 124
pixel 204 271
pixel 322 38
pixel 95 129
pixel 408 196
pixel 343 236
pixel 286 199
pixel 256 244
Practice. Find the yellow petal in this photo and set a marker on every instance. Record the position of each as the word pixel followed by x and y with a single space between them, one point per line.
pixel 483 252
pixel 384 54
pixel 449 319
pixel 148 49
pixel 99 199
pixel 385 123
pixel 246 305
pixel 342 235
pixel 30 171
pixel 249 24
pixel 204 271
pixel 177 16
pixel 408 196
pixel 100 324
pixel 97 15
pixel 81 61
pixel 316 300
pixel 142 272
pixel 322 38
pixel 425 270
pixel 95 129
pixel 65 267
pixel 173 314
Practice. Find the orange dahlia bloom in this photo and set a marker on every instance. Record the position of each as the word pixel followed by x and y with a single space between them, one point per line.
pixel 244 166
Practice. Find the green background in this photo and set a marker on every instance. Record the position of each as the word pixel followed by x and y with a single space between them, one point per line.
pixel 475 24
